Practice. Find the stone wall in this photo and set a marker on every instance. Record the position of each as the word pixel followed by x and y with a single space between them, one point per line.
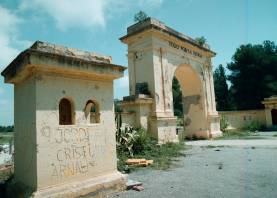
pixel 242 119
pixel 129 118
pixel 79 151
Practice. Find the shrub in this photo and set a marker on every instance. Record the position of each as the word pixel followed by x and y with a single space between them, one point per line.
pixel 223 123
pixel 125 138
pixel 254 126
pixel 142 141
pixel 142 88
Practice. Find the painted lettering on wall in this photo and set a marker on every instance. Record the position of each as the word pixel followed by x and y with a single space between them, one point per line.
pixel 74 153
pixel 184 49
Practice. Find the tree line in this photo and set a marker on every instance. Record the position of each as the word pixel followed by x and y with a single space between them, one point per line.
pixel 243 83
pixel 6 128
pixel 251 76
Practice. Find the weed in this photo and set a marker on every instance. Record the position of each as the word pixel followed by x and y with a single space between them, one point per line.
pixel 163 155
pixel 223 123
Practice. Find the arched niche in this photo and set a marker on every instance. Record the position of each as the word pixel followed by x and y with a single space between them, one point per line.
pixel 66 111
pixel 92 112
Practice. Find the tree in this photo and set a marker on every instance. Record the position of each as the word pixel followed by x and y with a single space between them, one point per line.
pixel 177 98
pixel 253 74
pixel 201 40
pixel 221 89
pixel 140 16
pixel 6 128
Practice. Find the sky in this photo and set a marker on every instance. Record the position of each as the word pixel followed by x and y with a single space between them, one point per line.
pixel 96 25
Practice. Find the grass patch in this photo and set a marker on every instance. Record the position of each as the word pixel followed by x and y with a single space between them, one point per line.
pixel 163 155
pixel 236 134
pixel 6 137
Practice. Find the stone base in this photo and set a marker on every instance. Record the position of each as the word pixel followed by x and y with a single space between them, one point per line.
pixel 164 129
pixel 215 134
pixel 214 122
pixel 98 187
pixel 199 134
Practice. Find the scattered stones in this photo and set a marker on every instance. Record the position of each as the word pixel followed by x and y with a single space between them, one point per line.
pixel 131 183
pixel 138 188
pixel 134 185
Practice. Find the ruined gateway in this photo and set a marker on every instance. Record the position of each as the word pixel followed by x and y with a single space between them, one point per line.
pixel 64 115
pixel 157 53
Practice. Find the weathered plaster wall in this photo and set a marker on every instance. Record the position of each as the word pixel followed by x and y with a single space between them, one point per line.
pixel 71 152
pixel 25 136
pixel 129 118
pixel 137 113
pixel 242 119
pixel 140 61
pixel 156 54
pixel 156 60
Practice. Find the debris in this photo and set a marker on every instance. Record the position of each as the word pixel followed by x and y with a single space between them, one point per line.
pixel 139 162
pixel 138 188
pixel 5 167
pixel 134 185
pixel 131 183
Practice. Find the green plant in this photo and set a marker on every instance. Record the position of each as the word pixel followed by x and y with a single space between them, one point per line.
pixel 180 121
pixel 254 126
pixel 142 141
pixel 223 123
pixel 140 16
pixel 201 40
pixel 125 138
pixel 142 88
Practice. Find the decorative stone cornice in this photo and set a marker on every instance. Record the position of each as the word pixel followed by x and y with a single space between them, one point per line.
pixel 52 58
pixel 151 24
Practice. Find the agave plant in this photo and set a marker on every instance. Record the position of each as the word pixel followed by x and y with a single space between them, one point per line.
pixel 125 136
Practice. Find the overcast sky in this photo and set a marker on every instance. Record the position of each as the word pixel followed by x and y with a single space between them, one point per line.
pixel 96 25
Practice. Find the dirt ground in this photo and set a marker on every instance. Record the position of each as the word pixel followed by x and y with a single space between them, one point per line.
pixel 215 169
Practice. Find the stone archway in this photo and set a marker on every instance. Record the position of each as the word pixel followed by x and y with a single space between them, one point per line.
pixel 193 101
pixel 156 53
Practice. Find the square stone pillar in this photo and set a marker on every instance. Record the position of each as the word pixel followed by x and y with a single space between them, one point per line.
pixel 270 106
pixel 64 121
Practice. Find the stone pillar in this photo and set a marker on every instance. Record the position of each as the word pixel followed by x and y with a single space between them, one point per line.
pixel 214 118
pixel 59 150
pixel 269 103
pixel 268 117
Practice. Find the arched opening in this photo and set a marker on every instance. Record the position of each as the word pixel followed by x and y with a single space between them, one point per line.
pixel 66 112
pixel 192 101
pixel 177 102
pixel 274 116
pixel 92 112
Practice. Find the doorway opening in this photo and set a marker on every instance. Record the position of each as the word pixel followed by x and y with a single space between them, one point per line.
pixel 274 116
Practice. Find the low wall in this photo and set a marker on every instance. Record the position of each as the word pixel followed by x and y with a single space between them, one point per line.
pixel 128 118
pixel 242 119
